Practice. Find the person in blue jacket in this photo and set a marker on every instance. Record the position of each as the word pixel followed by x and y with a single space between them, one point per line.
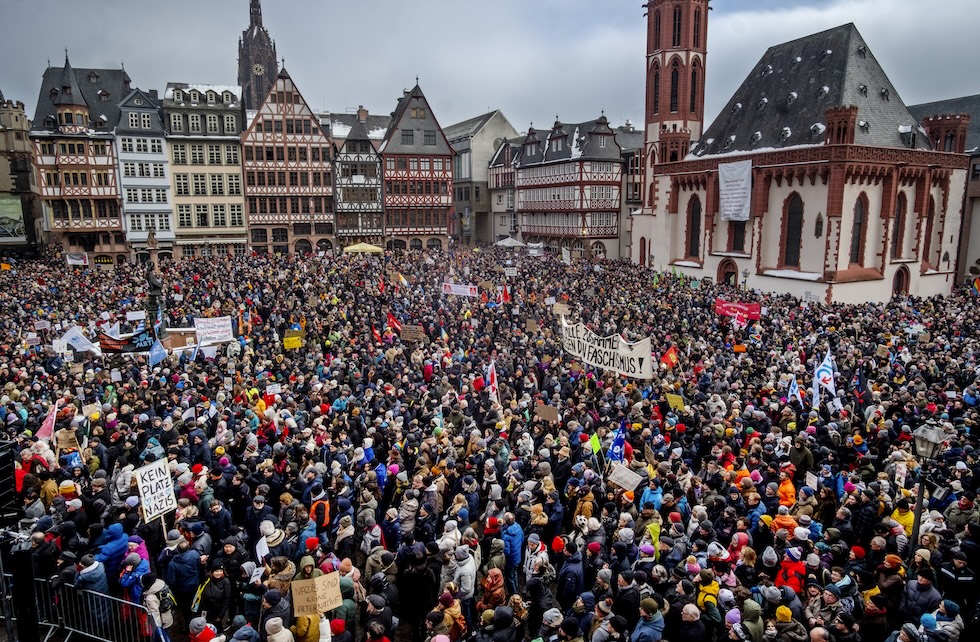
pixel 113 547
pixel 133 569
pixel 91 576
pixel 182 576
pixel 513 538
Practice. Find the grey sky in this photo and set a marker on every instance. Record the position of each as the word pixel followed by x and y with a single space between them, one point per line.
pixel 533 59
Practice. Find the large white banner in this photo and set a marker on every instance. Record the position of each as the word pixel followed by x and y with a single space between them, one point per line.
pixel 460 289
pixel 216 330
pixel 735 190
pixel 611 353
pixel 156 488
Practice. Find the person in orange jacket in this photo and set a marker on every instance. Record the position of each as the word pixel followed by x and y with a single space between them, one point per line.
pixel 787 492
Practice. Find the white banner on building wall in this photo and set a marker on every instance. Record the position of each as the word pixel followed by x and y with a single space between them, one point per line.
pixel 216 330
pixel 610 353
pixel 735 193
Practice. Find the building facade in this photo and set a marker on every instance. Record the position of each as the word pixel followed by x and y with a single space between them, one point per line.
pixel 845 198
pixel 418 177
pixel 502 175
pixel 20 207
pixel 258 66
pixel 75 160
pixel 474 141
pixel 203 139
pixel 144 177
pixel 568 187
pixel 288 175
pixel 358 191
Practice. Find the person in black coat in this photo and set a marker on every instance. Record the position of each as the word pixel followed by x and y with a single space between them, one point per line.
pixel 691 629
pixel 216 597
pixel 626 603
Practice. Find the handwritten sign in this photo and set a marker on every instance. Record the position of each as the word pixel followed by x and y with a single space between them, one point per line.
pixel 624 477
pixel 316 596
pixel 156 488
pixel 292 343
pixel 413 333
pixel 510 271
pixel 273 389
pixel 811 480
pixel 561 308
pixel 545 412
pixel 532 325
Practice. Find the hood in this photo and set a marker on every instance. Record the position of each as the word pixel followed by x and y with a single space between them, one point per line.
pixel 347 587
pixel 588 599
pixel 751 611
pixel 306 560
pixel 503 617
pixel 496 546
pixel 114 531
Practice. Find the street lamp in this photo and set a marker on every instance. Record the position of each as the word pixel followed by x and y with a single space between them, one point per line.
pixel 929 440
pixel 745 279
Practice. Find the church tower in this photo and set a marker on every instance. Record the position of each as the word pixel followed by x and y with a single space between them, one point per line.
pixel 677 33
pixel 258 66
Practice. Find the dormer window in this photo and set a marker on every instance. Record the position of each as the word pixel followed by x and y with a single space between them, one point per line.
pixel 93 77
pixel 53 93
pixel 195 97
pixel 602 142
pixel 532 149
pixel 210 97
pixel 103 96
pixel 178 94
pixel 556 144
pixel 227 98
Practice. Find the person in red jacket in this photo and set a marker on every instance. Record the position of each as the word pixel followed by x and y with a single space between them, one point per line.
pixel 792 570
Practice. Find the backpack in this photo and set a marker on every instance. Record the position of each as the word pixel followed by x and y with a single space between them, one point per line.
pixel 458 629
pixel 167 600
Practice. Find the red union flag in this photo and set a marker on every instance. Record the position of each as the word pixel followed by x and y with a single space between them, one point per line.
pixel 750 311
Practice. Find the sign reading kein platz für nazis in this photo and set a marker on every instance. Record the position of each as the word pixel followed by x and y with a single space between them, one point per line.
pixel 156 488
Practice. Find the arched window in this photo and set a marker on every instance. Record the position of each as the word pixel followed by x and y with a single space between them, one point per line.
pixel 694 228
pixel 676 37
pixel 898 231
pixel 694 88
pixel 656 30
pixel 950 145
pixel 643 250
pixel 930 229
pixel 674 81
pixel 858 229
pixel 656 89
pixel 794 231
pixel 697 28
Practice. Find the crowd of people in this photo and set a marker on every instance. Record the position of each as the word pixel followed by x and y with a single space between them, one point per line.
pixel 449 504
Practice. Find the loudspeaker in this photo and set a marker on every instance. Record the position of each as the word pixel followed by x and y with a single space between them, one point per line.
pixel 23 599
pixel 10 506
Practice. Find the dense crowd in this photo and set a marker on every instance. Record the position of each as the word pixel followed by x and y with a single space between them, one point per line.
pixel 453 509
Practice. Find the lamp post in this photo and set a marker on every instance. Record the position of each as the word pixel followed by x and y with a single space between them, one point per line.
pixel 745 279
pixel 928 443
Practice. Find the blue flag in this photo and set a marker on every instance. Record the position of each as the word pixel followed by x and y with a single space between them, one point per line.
pixel 794 390
pixel 617 451
pixel 157 353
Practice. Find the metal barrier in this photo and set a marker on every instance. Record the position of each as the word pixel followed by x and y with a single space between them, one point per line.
pixel 89 614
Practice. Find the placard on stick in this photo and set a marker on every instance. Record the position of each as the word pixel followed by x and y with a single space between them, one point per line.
pixel 561 308
pixel 532 325
pixel 316 596
pixel 412 333
pixel 545 412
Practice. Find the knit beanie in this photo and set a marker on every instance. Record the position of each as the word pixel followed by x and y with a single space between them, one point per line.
pixel 783 614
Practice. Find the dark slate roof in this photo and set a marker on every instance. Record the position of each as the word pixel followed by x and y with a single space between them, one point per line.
pixel 114 83
pixel 963 105
pixel 783 100
pixel 69 92
pixel 392 143
pixel 497 160
pixel 148 103
pixel 580 142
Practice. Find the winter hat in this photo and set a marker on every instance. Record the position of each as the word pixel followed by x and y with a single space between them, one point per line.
pixel 446 599
pixel 794 553
pixel 462 552
pixel 952 608
pixel 605 575
pixel 924 553
pixel 801 533
pixel 769 557
pixel 377 601
pixel 858 551
pixel 197 626
pixel 132 501
pixel 594 547
pixel 928 621
pixel 87 560
pixel 132 559
pixel 733 616
pixel 649 605
pixel 740 632
pixel 312 543
pixel 571 629
pixel 772 594
pixel 833 589
pixel 813 559
pixel 783 614
pixel 911 631
pixel 715 550
pixel 552 618
pixel 486 618
pixel 272 596
pixel 147 580
pixel 337 627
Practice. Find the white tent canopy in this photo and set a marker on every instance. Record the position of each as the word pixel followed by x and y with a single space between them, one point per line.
pixel 509 242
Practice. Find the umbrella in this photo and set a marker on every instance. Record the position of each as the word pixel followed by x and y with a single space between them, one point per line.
pixel 362 248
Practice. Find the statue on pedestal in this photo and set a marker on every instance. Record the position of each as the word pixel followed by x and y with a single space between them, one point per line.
pixel 154 291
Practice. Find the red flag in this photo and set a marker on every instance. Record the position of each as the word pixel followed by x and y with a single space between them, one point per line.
pixel 381 285
pixel 670 357
pixel 394 323
pixel 47 427
pixel 375 334
pixel 506 295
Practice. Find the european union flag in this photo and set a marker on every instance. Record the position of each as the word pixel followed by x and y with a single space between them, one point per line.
pixel 157 353
pixel 617 451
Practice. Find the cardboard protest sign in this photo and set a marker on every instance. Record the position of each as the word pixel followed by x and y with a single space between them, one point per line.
pixel 532 325
pixel 561 308
pixel 413 333
pixel 624 477
pixel 882 351
pixel 273 389
pixel 547 413
pixel 156 488
pixel 316 596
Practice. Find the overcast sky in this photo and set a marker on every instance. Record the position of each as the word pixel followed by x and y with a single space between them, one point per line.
pixel 533 59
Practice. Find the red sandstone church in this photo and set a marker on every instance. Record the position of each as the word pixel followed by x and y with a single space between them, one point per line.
pixel 815 179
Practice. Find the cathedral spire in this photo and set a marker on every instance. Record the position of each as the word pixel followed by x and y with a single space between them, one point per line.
pixel 255 13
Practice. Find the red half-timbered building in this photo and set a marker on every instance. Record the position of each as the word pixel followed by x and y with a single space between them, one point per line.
pixel 418 177
pixel 288 175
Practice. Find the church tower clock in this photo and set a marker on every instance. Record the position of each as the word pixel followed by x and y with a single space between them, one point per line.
pixel 257 62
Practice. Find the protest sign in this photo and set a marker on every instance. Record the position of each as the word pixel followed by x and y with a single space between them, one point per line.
pixel 510 271
pixel 273 389
pixel 461 289
pixel 60 346
pixel 624 477
pixel 882 351
pixel 292 343
pixel 545 412
pixel 611 353
pixel 811 480
pixel 316 596
pixel 901 473
pixel 134 343
pixel 561 309
pixel 676 402
pixel 156 489
pixel 136 315
pixel 531 325
pixel 214 330
pixel 42 325
pixel 549 300
pixel 413 333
